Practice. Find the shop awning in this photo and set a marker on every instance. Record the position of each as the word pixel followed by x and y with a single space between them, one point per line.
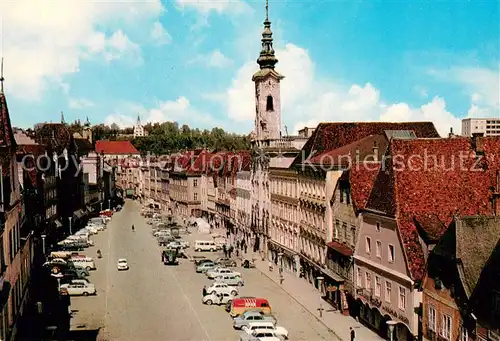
pixel 58 223
pixel 340 248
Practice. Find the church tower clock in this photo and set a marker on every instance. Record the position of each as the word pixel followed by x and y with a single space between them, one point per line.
pixel 267 91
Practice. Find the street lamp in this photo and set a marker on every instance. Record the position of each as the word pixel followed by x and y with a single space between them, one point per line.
pixel 43 243
pixel 70 228
pixel 280 260
pixel 101 206
pixel 391 325
pixel 109 203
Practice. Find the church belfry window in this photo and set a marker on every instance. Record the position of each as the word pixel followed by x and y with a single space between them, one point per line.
pixel 269 104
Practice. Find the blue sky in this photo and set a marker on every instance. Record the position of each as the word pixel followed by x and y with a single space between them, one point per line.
pixel 192 61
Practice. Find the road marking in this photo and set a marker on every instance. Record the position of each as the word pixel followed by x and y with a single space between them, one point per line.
pixel 189 303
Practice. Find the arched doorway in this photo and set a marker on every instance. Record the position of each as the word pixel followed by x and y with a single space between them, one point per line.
pixel 377 319
pixel 384 330
pixel 402 333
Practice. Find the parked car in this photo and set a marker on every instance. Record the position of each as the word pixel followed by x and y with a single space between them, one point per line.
pixel 265 325
pixel 79 289
pixel 220 288
pixel 261 335
pixel 251 316
pixel 225 262
pixel 220 271
pixel 122 264
pixel 230 279
pixel 219 299
pixel 205 266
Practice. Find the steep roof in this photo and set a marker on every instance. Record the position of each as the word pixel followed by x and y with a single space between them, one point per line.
pixel 6 134
pixel 333 135
pixel 432 180
pixel 362 149
pixel 476 238
pixel 362 178
pixel 54 135
pixel 115 147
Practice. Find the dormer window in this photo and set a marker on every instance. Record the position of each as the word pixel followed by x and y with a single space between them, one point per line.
pixel 269 104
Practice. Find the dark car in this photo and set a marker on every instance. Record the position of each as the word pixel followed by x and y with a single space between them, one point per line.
pixel 198 262
pixel 226 262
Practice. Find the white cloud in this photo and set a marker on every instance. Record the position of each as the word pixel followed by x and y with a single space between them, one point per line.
pixel 218 6
pixel 482 84
pixel 41 45
pixel 159 35
pixel 213 59
pixel 179 110
pixel 307 99
pixel 80 103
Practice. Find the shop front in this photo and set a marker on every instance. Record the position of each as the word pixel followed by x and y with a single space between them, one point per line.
pixel 284 258
pixel 339 266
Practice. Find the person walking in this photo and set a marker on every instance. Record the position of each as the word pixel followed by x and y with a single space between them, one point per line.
pixel 204 290
pixel 224 249
pixel 237 244
pixel 353 334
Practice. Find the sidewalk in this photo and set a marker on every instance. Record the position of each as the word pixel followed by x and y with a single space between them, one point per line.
pixel 309 298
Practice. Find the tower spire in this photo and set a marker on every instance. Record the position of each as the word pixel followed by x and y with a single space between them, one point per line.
pixel 267 59
pixel 62 117
pixel 138 119
pixel 1 77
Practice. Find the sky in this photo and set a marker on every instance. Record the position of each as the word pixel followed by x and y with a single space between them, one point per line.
pixel 191 61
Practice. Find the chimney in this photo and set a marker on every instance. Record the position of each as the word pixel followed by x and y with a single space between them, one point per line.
pixel 450 134
pixel 375 151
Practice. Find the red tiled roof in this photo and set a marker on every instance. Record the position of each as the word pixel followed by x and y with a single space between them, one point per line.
pixel 6 134
pixel 328 136
pixel 451 182
pixel 342 156
pixel 362 178
pixel 341 248
pixel 115 147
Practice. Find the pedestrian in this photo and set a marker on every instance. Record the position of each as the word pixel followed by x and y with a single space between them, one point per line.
pixel 204 290
pixel 221 298
pixel 237 252
pixel 353 334
pixel 224 249
pixel 246 248
pixel 237 244
pixel 282 278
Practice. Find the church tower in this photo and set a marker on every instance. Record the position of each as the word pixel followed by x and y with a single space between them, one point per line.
pixel 138 128
pixel 267 91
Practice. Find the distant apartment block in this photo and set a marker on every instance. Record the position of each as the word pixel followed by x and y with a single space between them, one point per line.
pixel 486 126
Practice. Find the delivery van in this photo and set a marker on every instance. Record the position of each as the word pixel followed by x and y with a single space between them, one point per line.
pixel 238 306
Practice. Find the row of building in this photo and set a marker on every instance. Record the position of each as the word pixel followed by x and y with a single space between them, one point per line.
pixel 51 181
pixel 390 222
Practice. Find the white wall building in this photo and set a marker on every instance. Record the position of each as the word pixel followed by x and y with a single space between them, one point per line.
pixel 139 128
pixel 486 126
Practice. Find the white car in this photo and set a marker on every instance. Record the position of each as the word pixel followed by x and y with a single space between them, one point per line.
pixel 211 274
pixel 230 279
pixel 221 288
pixel 216 298
pixel 261 335
pixel 261 325
pixel 122 264
pixel 78 289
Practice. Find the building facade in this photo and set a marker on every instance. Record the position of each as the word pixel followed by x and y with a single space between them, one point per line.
pixel 486 126
pixel 139 128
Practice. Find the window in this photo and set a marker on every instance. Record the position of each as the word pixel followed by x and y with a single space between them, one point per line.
pixel 353 236
pixel 269 104
pixel 368 245
pixel 432 318
pixel 337 227
pixel 378 286
pixel 390 255
pixel 195 183
pixel 388 291
pixel 377 226
pixel 464 335
pixel 368 280
pixel 379 249
pixel 446 327
pixel 402 298
pixel 345 231
pixel 195 196
pixel 359 278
